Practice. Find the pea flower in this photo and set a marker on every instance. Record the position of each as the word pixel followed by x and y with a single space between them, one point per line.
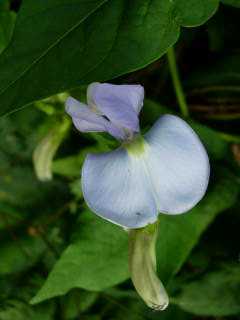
pixel 165 171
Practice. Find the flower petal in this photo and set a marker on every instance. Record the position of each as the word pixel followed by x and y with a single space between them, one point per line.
pixel 120 103
pixel 85 126
pixel 83 118
pixel 178 165
pixel 116 187
pixel 116 132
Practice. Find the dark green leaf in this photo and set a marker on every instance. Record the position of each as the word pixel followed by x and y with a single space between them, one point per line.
pixel 7 20
pixel 20 253
pixel 97 259
pixel 77 302
pixel 10 216
pixel 80 42
pixel 19 135
pixel 19 310
pixel 214 294
pixel 28 195
pixel 234 3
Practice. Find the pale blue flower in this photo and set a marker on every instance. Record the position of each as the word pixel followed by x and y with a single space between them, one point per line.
pixel 165 171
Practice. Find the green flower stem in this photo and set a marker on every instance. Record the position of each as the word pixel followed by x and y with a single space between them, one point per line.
pixel 142 265
pixel 176 82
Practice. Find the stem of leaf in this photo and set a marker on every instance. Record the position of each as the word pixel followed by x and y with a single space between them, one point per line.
pixel 177 83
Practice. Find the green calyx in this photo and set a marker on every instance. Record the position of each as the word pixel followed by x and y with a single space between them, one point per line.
pixel 136 146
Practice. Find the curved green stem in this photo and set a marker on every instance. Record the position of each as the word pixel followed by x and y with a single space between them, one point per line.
pixel 176 82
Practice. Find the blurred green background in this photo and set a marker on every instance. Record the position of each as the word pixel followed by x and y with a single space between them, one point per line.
pixel 75 265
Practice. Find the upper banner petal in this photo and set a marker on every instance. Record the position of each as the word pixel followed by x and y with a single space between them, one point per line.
pixel 116 187
pixel 177 164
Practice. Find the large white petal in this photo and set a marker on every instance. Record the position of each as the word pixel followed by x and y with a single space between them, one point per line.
pixel 116 187
pixel 177 164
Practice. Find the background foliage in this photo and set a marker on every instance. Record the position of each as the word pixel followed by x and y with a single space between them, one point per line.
pixel 57 259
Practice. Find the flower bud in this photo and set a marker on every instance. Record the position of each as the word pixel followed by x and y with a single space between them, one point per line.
pixel 46 149
pixel 142 265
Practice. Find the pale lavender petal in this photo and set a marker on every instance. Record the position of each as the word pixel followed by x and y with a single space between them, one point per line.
pixel 120 103
pixel 83 118
pixel 131 94
pixel 115 131
pixel 85 126
pixel 116 187
pixel 177 164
